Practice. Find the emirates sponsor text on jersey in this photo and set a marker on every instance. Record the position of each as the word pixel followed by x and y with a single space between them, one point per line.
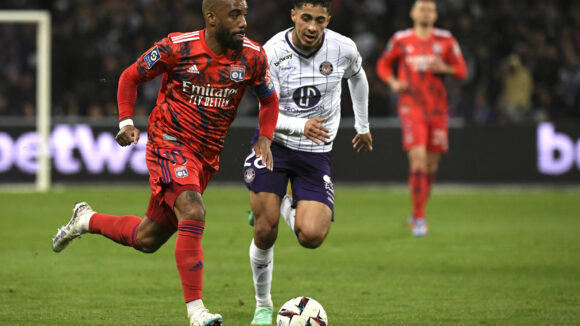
pixel 208 95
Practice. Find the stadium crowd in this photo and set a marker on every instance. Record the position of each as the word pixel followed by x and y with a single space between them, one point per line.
pixel 523 56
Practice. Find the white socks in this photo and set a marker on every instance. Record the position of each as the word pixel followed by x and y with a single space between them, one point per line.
pixel 288 213
pixel 85 220
pixel 193 306
pixel 262 262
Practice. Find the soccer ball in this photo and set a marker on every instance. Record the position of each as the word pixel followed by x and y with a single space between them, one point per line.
pixel 302 311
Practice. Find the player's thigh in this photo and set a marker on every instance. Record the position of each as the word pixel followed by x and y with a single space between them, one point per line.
pixel 433 162
pixel 313 190
pixel 151 236
pixel 258 178
pixel 189 205
pixel 311 178
pixel 174 173
pixel 313 218
pixel 418 158
pixel 414 131
pixel 266 209
pixel 438 136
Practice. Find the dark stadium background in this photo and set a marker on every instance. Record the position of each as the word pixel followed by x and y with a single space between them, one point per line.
pixel 93 41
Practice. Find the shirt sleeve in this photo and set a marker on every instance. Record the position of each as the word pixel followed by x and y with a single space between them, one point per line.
pixel 263 84
pixel 456 60
pixel 152 63
pixel 157 60
pixel 392 53
pixel 356 63
pixel 267 96
pixel 359 91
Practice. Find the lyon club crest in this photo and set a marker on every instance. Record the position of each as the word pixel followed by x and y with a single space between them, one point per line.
pixel 237 73
pixel 181 172
pixel 437 48
pixel 326 68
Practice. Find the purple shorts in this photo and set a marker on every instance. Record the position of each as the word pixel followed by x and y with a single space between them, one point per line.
pixel 309 174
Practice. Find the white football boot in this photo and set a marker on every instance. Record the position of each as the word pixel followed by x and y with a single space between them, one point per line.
pixel 78 224
pixel 202 317
pixel 418 226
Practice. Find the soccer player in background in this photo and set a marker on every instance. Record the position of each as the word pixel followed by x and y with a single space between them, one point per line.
pixel 425 55
pixel 307 64
pixel 205 74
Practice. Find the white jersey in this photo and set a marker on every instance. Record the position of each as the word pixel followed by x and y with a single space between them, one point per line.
pixel 309 86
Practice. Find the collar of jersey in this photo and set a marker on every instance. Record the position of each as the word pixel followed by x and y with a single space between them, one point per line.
pixel 289 32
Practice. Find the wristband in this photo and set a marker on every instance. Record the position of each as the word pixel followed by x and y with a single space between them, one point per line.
pixel 125 122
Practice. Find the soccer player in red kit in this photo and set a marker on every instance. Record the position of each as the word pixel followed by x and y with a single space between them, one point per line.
pixel 205 74
pixel 424 56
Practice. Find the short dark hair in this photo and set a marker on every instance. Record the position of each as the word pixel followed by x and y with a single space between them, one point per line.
pixel 324 3
pixel 417 1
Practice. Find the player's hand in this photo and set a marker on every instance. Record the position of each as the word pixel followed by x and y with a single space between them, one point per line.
pixel 128 135
pixel 363 142
pixel 398 86
pixel 315 131
pixel 438 66
pixel 262 150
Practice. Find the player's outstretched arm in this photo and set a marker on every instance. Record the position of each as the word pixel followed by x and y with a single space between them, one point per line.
pixel 363 142
pixel 262 149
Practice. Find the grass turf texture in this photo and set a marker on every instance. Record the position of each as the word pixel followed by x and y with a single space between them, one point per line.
pixel 492 257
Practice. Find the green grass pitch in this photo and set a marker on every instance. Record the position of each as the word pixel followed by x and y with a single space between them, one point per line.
pixel 492 257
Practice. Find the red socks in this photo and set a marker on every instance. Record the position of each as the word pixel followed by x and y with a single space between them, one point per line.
pixel 188 250
pixel 189 258
pixel 121 229
pixel 419 187
pixel 430 181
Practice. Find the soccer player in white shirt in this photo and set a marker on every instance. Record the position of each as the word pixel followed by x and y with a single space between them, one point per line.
pixel 307 64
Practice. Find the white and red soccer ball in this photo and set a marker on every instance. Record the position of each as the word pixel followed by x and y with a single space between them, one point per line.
pixel 302 311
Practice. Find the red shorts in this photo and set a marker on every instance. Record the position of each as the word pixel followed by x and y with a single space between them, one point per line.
pixel 171 172
pixel 418 131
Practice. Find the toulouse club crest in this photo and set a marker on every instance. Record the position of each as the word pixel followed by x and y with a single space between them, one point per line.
pixel 237 73
pixel 249 175
pixel 326 68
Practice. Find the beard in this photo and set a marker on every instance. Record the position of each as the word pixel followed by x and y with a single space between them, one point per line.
pixel 226 39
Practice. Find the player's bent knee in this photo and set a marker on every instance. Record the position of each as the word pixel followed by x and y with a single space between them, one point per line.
pixel 191 212
pixel 149 245
pixel 266 234
pixel 311 240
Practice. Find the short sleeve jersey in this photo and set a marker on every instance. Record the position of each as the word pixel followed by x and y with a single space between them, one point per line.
pixel 200 91
pixel 309 86
pixel 426 89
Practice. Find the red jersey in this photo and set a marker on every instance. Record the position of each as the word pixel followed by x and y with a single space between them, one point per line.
pixel 200 91
pixel 414 55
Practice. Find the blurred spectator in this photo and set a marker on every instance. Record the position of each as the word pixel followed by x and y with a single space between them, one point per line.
pixel 516 96
pixel 92 39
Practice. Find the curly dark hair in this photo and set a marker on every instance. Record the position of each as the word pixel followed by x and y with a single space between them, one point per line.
pixel 324 3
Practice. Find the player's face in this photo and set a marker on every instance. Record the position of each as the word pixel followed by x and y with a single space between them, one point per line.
pixel 309 22
pixel 231 23
pixel 424 13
